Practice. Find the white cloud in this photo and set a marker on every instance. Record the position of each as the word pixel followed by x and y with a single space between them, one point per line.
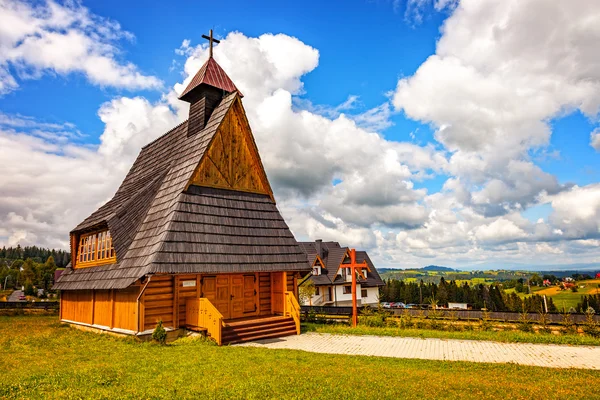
pixel 501 230
pixel 63 39
pixel 595 139
pixel 335 176
pixel 577 212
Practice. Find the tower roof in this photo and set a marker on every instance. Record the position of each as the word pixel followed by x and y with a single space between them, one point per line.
pixel 210 74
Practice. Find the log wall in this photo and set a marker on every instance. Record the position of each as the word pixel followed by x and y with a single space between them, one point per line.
pixel 264 293
pixel 158 302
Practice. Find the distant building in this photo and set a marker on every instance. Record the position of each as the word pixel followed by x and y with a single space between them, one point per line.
pixel 458 306
pixel 333 282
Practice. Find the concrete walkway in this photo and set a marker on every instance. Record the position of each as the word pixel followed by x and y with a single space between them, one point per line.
pixel 541 355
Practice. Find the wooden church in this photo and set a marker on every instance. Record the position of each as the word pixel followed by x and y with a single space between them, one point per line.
pixel 192 237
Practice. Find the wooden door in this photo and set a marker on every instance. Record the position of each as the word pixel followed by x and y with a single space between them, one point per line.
pixel 249 294
pixel 223 295
pixel 237 296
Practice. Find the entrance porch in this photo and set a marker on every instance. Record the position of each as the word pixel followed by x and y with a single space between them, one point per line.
pixel 231 307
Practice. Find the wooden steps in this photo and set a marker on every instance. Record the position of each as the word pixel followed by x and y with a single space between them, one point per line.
pixel 250 330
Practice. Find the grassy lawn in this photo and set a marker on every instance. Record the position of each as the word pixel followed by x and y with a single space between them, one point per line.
pixel 501 336
pixel 42 359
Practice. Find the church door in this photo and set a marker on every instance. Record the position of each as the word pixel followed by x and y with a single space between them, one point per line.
pixel 234 296
pixel 237 296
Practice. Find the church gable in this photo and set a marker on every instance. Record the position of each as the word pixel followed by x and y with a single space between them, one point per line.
pixel 232 160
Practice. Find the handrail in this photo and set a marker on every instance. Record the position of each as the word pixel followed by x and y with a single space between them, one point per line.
pixel 202 313
pixel 292 309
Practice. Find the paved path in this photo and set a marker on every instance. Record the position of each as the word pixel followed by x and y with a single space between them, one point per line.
pixel 542 355
pixel 14 296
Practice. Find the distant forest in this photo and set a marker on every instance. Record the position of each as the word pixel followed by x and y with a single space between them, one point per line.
pixel 478 296
pixel 37 254
pixel 30 267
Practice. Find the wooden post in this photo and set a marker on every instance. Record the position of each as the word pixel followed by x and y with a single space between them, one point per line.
pixel 354 269
pixel 283 299
pixel 354 307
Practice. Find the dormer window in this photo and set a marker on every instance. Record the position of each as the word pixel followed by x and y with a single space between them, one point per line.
pixel 315 271
pixel 95 249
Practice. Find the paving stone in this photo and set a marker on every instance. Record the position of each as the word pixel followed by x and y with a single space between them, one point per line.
pixel 542 355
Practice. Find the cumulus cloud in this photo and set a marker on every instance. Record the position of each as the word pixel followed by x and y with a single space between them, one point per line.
pixel 595 139
pixel 63 39
pixel 335 176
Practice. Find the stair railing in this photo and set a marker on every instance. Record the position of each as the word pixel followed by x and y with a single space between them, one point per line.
pixel 292 309
pixel 203 314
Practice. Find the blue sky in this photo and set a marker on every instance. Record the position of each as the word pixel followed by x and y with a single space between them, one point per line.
pixel 485 148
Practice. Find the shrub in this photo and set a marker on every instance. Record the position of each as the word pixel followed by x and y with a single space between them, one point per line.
pixel 453 316
pixel 29 290
pixel 420 320
pixel 590 326
pixel 544 322
pixel 567 323
pixel 406 320
pixel 374 318
pixel 160 334
pixel 524 323
pixel 485 324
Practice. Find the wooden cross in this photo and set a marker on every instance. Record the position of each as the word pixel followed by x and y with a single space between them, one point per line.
pixel 210 41
pixel 355 268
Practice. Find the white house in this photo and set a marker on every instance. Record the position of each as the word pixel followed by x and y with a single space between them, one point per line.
pixel 333 281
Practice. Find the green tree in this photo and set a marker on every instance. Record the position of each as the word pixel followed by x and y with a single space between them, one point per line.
pixel 46 273
pixel 306 291
pixel 28 271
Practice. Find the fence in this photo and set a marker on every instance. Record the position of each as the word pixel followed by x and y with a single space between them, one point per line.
pixel 460 314
pixel 26 305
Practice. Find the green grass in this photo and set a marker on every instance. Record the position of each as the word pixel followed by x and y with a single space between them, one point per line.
pixel 42 359
pixel 499 336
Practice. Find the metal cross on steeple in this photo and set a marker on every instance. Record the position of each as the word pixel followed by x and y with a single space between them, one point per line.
pixel 210 41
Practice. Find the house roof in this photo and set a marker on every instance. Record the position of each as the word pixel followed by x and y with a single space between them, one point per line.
pixel 334 255
pixel 213 75
pixel 160 224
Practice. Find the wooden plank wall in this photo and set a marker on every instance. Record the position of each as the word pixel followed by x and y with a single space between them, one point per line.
pixel 264 293
pixel 76 305
pixel 103 307
pixel 107 308
pixel 158 302
pixel 125 308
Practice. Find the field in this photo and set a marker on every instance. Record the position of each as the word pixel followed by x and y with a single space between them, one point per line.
pixel 565 298
pixel 42 359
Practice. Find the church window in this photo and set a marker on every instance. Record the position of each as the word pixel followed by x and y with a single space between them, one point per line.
pixel 95 249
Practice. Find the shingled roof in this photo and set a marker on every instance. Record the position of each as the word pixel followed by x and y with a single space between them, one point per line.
pixel 211 74
pixel 161 224
pixel 333 255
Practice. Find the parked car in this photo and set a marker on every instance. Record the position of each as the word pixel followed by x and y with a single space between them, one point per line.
pixel 21 297
pixel 399 305
pixel 386 305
